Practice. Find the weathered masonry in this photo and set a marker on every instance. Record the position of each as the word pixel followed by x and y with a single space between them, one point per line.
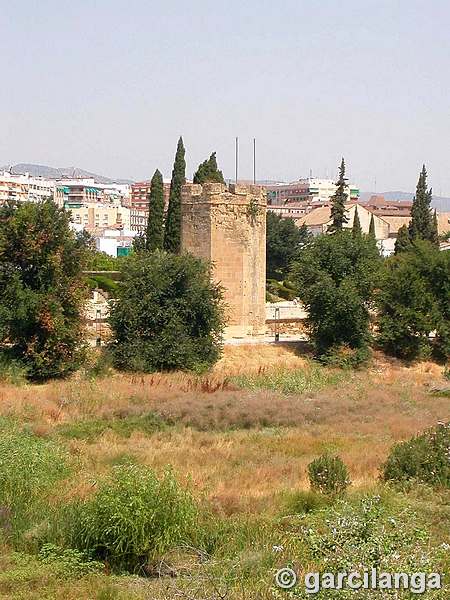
pixel 228 228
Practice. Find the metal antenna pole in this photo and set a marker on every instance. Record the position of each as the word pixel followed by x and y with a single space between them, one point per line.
pixel 236 155
pixel 254 161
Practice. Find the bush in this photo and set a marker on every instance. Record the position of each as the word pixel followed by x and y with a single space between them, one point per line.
pixel 335 275
pixel 29 469
pixel 344 357
pixel 357 536
pixel 42 293
pixel 68 561
pixel 328 475
pixel 133 518
pixel 425 458
pixel 12 370
pixel 168 314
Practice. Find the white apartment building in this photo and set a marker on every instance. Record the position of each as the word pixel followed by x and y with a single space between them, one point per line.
pixel 23 188
pixel 307 191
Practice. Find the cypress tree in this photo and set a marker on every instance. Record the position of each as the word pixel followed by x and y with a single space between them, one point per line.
pixel 434 230
pixel 356 231
pixel 208 171
pixel 421 225
pixel 154 236
pixel 172 236
pixel 372 226
pixel 338 202
pixel 403 241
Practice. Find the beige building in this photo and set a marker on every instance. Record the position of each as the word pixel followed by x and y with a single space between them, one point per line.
pixel 228 228
pixel 99 216
pixel 318 220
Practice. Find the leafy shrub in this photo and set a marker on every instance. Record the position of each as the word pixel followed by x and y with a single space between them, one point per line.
pixel 345 357
pixel 425 457
pixel 12 370
pixel 29 469
pixel 68 561
pixel 368 534
pixel 168 314
pixel 133 518
pixel 328 475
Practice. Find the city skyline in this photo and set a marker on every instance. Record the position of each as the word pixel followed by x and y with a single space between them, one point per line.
pixel 109 88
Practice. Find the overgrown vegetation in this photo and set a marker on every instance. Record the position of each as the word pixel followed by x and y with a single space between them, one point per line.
pixel 424 458
pixel 133 518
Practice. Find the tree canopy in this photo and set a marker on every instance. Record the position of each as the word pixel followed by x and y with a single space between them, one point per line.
pixel 172 234
pixel 338 201
pixel 155 223
pixel 42 291
pixel 208 171
pixel 283 241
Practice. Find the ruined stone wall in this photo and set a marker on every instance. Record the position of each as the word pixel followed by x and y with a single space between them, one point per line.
pixel 228 228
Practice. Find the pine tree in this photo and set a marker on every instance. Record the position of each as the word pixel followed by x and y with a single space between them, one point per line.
pixel 403 241
pixel 356 231
pixel 372 227
pixel 338 202
pixel 208 171
pixel 172 235
pixel 421 225
pixel 154 236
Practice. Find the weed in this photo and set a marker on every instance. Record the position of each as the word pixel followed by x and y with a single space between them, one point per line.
pixel 133 518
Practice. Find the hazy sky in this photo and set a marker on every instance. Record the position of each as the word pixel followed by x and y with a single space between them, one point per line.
pixel 109 85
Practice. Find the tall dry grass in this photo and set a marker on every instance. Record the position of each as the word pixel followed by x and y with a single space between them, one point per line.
pixel 240 448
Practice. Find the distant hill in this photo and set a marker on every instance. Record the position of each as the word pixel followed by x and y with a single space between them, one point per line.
pixel 58 172
pixel 441 203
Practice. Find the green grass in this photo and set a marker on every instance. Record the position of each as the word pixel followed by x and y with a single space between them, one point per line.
pixel 90 429
pixel 287 381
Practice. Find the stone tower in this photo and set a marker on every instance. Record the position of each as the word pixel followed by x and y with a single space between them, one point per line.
pixel 228 228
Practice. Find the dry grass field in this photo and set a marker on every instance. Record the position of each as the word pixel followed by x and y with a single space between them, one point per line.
pixel 240 437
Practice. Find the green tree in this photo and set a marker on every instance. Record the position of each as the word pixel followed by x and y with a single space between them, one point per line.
pixel 434 239
pixel 357 231
pixel 414 300
pixel 172 235
pixel 42 292
pixel 168 314
pixel 338 202
pixel 283 241
pixel 155 234
pixel 403 241
pixel 335 278
pixel 372 227
pixel 421 225
pixel 208 171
